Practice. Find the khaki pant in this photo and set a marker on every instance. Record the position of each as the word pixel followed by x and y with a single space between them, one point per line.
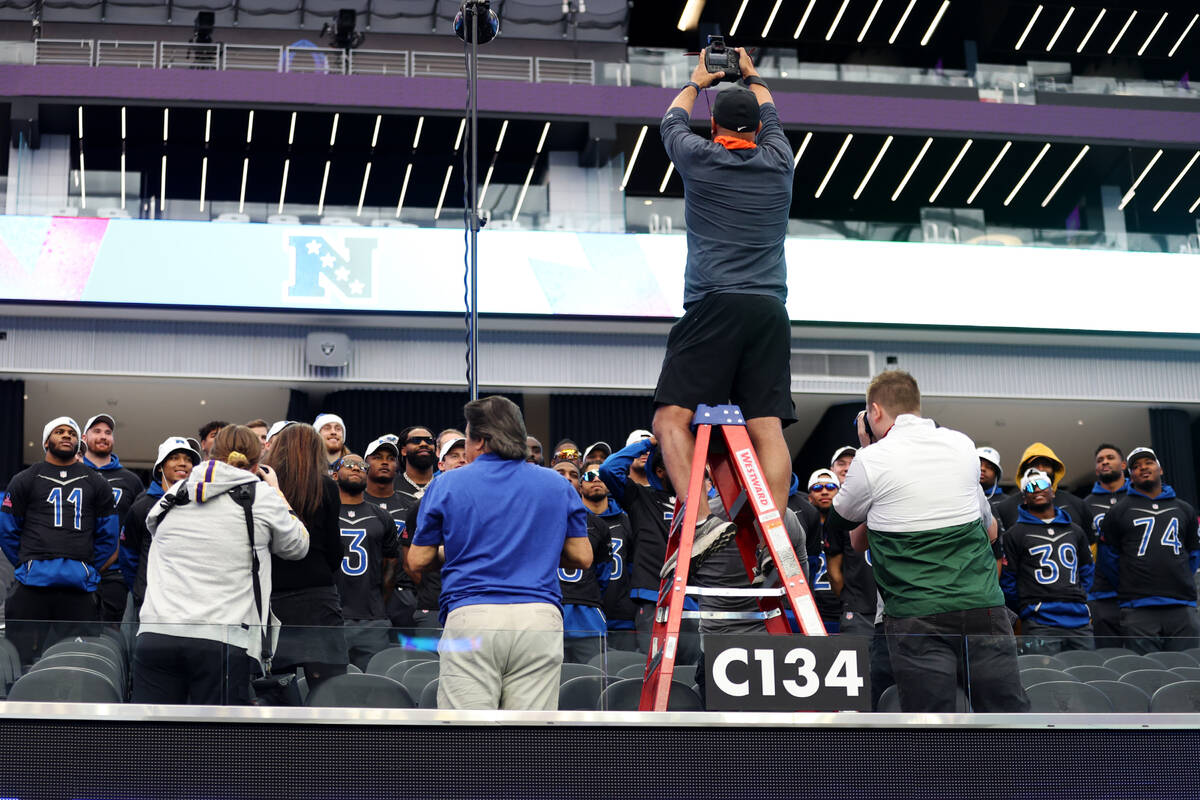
pixel 505 656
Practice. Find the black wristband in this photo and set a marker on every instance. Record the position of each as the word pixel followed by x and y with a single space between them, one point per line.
pixel 754 80
pixel 692 84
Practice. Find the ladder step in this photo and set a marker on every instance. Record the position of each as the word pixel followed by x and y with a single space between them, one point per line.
pixel 748 615
pixel 723 591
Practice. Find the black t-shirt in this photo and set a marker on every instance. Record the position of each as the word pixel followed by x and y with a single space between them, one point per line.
pixel 368 537
pixel 858 575
pixel 650 513
pixel 581 587
pixel 1098 505
pixel 828 603
pixel 324 547
pixel 429 590
pixel 617 603
pixel 398 505
pixel 126 487
pixel 61 507
pixel 1153 539
pixel 135 540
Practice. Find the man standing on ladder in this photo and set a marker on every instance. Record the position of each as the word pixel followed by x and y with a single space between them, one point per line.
pixel 733 343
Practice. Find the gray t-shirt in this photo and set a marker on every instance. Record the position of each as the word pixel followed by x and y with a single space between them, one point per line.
pixel 736 206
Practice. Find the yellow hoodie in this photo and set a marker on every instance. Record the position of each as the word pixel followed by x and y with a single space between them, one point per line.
pixel 1039 450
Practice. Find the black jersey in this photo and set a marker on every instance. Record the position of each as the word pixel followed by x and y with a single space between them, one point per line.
pixel 135 542
pixel 398 506
pixel 1006 510
pixel 650 513
pixel 1047 570
pixel 429 590
pixel 410 490
pixel 581 587
pixel 126 486
pixel 828 603
pixel 64 512
pixel 858 575
pixel 1150 546
pixel 617 603
pixel 1098 504
pixel 368 538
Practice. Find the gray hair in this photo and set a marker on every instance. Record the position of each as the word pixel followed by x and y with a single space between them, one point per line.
pixel 497 421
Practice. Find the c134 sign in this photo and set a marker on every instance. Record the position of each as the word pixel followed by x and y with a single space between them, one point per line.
pixel 787 673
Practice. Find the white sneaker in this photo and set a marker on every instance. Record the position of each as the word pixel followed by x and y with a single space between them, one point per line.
pixel 710 538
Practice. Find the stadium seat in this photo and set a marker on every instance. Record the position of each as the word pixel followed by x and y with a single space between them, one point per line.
pixel 889 701
pixel 96 663
pixel 1113 652
pixel 582 693
pixel 1176 698
pixel 353 669
pixel 429 695
pixel 382 661
pixel 1067 697
pixel 1077 658
pixel 626 695
pixel 1125 697
pixel 1092 672
pixel 1186 673
pixel 1036 675
pixel 418 676
pixel 638 671
pixel 64 685
pixel 616 660
pixel 104 649
pixel 1168 660
pixel 1149 680
pixel 360 691
pixel 1031 660
pixel 570 670
pixel 1123 664
pixel 1194 652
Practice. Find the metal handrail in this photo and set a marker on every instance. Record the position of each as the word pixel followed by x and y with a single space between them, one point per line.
pixel 258 57
pixel 64 51
pixel 113 53
pixel 319 60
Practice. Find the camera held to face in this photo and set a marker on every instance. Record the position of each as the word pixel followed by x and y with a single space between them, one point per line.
pixel 719 58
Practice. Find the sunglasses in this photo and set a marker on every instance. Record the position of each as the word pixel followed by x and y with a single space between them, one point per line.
pixel 420 440
pixel 816 487
pixel 591 475
pixel 569 453
pixel 1035 485
pixel 361 466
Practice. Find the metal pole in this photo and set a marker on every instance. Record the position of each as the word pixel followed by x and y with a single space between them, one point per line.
pixel 473 112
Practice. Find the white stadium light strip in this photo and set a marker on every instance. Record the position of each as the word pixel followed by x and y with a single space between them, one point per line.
pixel 738 19
pixel 362 193
pixel 1120 35
pixel 637 148
pixel 662 187
pixel 1003 152
pixel 487 181
pixel 242 191
pixel 771 19
pixel 1066 175
pixel 945 178
pixel 1182 36
pixel 122 180
pixel 804 19
pixel 287 165
pixel 800 150
pixel 500 138
pixel 689 19
pixel 916 163
pixel 403 189
pixel 250 127
pixel 292 130
pixel 871 170
pixel 1041 154
pixel 462 126
pixel 1091 30
pixel 1037 13
pixel 333 130
pixel 1175 182
pixel 1059 30
pixel 437 212
pixel 207 125
pixel 203 180
pixel 417 134
pixel 836 160
pixel 1153 33
pixel 83 181
pixel 836 20
pixel 870 18
pixel 80 115
pixel 937 18
pixel 122 122
pixel 1196 204
pixel 903 19
pixel 542 140
pixel 162 186
pixel 375 134
pixel 166 122
pixel 1133 189
pixel 324 184
pixel 521 196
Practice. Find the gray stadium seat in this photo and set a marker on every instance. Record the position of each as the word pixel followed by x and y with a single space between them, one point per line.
pixel 382 661
pixel 617 660
pixel 64 685
pixel 1168 660
pixel 1031 660
pixel 570 670
pixel 1194 652
pixel 1125 697
pixel 96 663
pixel 1077 658
pixel 418 676
pixel 889 701
pixel 1113 652
pixel 429 695
pixel 636 671
pixel 1150 680
pixel 1067 697
pixel 626 695
pixel 1186 673
pixel 1123 664
pixel 582 693
pixel 1177 698
pixel 101 649
pixel 360 691
pixel 1030 677
pixel 353 669
pixel 1092 672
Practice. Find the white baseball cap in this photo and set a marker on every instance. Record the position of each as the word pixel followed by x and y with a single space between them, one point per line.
pixel 828 476
pixel 54 423
pixel 992 456
pixel 276 427
pixel 637 436
pixel 112 423
pixel 388 440
pixel 1140 452
pixel 174 444
pixel 450 445
pixel 841 451
pixel 324 419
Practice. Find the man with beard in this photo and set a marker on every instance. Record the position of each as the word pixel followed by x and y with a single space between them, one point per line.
pixel 332 431
pixel 535 451
pixel 1047 572
pixel 584 625
pixel 367 576
pixel 59 528
pixel 429 582
pixel 418 453
pixel 822 486
pixel 382 456
pixel 1109 489
pixel 176 458
pixel 619 609
pixel 1149 550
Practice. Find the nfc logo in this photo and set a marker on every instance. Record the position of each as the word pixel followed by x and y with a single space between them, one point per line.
pixel 321 270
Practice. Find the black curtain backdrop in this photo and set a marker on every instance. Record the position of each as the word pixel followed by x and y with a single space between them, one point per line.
pixel 12 432
pixel 833 431
pixel 588 418
pixel 369 413
pixel 300 406
pixel 1171 438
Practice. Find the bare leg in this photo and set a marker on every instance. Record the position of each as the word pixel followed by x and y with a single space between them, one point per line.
pixel 766 434
pixel 672 428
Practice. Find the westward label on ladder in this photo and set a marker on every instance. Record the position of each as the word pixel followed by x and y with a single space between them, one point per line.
pixel 756 487
pixel 759 672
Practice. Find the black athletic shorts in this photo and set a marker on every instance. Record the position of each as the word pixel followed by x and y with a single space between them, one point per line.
pixel 731 348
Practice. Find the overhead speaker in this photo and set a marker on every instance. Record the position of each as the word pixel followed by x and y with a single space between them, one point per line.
pixel 326 349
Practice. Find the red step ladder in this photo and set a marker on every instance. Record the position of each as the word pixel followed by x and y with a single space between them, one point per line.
pixel 738 479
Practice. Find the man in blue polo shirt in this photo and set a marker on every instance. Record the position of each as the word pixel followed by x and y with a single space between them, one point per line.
pixel 503 527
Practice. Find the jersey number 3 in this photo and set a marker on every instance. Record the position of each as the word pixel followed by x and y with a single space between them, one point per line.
pixel 355 561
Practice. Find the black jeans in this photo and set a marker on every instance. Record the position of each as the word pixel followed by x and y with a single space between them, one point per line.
pixel 38 616
pixel 1106 622
pixel 934 655
pixel 181 670
pixel 1150 629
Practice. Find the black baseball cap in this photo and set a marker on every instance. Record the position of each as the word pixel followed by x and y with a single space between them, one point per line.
pixel 736 109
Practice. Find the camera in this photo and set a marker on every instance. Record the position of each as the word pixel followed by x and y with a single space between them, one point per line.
pixel 719 58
